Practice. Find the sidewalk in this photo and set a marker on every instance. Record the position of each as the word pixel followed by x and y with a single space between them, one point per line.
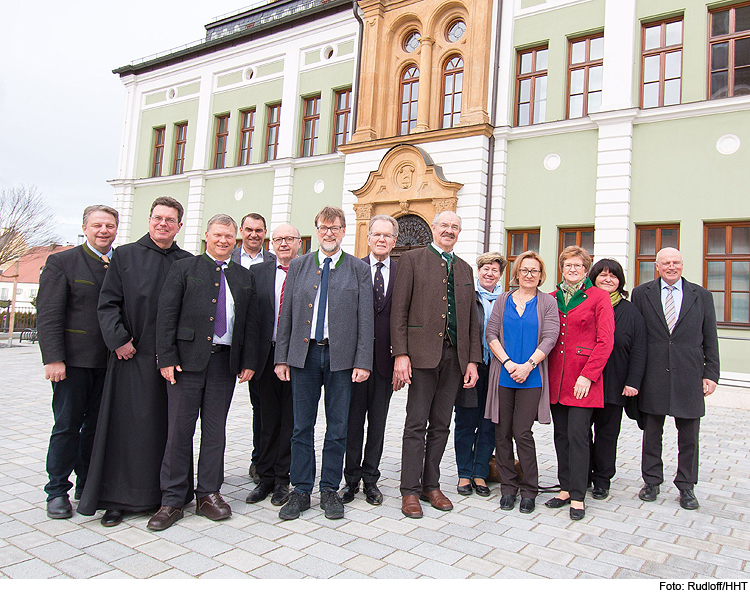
pixel 621 537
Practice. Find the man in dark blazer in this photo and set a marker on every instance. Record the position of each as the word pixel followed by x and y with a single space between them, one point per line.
pixel 324 339
pixel 251 252
pixel 206 331
pixel 436 343
pixel 682 367
pixel 276 415
pixel 74 352
pixel 371 398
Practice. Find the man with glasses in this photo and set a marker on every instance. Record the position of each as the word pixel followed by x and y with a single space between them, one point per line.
pixel 324 338
pixel 276 416
pixel 436 343
pixel 371 398
pixel 682 368
pixel 132 429
pixel 251 252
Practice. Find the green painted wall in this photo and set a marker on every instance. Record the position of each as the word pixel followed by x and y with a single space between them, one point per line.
pixel 536 197
pixel 530 3
pixel 556 27
pixel 168 115
pixel 142 199
pixel 306 202
pixel 189 89
pixel 257 196
pixel 253 95
pixel 274 67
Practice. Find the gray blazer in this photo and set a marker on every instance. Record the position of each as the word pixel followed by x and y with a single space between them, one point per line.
pixel 350 313
pixel 236 254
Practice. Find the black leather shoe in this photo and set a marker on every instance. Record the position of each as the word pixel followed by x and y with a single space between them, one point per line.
pixel 688 501
pixel 600 493
pixel 373 495
pixel 260 493
pixel 577 514
pixel 111 518
pixel 556 502
pixel 348 492
pixel 280 495
pixel 507 502
pixel 164 518
pixel 527 505
pixel 297 503
pixel 649 492
pixel 482 490
pixel 254 474
pixel 465 489
pixel 330 502
pixel 59 507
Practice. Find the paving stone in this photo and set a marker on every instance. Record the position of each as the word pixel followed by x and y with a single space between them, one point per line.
pixel 10 555
pixel 113 574
pixel 330 553
pixel 130 536
pixel 30 540
pixel 692 565
pixel 274 571
pixel 241 560
pixel 594 567
pixel 629 574
pixel 109 551
pixel 478 566
pixel 441 571
pixel 671 548
pixel 140 566
pixel 391 572
pixel 193 563
pixel 552 571
pixel 665 571
pixel 82 538
pixel 55 552
pixel 173 574
pixel 224 573
pixel 363 564
pixel 403 559
pixel 296 542
pixel 369 548
pixel 511 559
pixel 162 550
pixel 83 566
pixel 401 542
pixel 283 555
pixel 31 569
pixel 350 574
pixel 550 555
pixel 621 560
pixel 315 567
pixel 207 546
pixel 515 574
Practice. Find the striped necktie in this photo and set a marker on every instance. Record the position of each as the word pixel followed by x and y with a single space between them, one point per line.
pixel 669 310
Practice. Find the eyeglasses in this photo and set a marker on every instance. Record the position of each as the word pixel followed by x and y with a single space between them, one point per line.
pixel 168 220
pixel 333 229
pixel 379 235
pixel 573 266
pixel 286 239
pixel 529 272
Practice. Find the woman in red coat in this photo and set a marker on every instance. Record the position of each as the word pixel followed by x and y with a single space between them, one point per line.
pixel 587 328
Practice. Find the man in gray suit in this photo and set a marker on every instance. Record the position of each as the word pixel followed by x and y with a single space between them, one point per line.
pixel 251 252
pixel 324 338
pixel 682 367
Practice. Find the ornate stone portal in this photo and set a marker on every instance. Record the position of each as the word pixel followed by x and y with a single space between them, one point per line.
pixel 406 184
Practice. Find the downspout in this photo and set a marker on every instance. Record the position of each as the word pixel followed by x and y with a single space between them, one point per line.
pixel 355 101
pixel 493 117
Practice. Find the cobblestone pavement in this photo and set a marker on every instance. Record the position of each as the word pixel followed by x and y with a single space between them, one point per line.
pixel 620 537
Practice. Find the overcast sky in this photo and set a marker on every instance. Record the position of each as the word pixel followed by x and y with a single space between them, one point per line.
pixel 60 104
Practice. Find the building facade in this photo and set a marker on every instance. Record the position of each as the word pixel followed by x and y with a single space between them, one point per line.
pixel 619 125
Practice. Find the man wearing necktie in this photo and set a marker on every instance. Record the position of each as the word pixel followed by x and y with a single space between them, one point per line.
pixel 370 399
pixel 324 338
pixel 206 332
pixel 682 367
pixel 275 410
pixel 436 342
pixel 74 352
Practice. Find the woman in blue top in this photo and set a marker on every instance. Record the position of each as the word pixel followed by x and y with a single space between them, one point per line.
pixel 522 330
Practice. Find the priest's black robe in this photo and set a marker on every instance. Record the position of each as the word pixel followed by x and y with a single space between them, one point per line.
pixel 132 429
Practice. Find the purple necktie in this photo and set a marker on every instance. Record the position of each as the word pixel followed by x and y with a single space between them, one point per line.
pixel 220 328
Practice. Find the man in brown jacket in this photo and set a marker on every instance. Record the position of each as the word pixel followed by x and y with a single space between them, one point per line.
pixel 435 340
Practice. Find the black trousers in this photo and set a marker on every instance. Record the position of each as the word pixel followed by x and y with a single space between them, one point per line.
pixel 75 406
pixel 276 426
pixel 571 434
pixel 606 423
pixel 652 467
pixel 369 399
pixel 517 413
pixel 207 393
pixel 254 389
pixel 429 409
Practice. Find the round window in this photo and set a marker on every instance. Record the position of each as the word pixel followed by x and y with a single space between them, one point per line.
pixel 456 30
pixel 411 43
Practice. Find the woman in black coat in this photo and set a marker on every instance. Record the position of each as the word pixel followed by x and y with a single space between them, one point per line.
pixel 622 374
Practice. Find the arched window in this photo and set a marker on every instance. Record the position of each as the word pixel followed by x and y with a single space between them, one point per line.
pixel 453 84
pixel 409 97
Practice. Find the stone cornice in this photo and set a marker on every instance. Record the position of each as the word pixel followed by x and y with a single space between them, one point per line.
pixel 458 132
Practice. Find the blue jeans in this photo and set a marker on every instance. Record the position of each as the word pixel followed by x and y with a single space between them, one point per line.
pixel 474 437
pixel 306 384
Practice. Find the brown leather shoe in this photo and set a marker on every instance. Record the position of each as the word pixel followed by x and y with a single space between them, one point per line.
pixel 213 507
pixel 437 500
pixel 164 518
pixel 410 506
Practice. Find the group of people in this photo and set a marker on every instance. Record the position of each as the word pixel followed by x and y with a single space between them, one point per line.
pixel 141 341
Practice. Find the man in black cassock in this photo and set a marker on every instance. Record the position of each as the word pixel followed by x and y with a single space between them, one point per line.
pixel 132 429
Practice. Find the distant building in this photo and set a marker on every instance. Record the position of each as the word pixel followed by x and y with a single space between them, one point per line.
pixel 29 268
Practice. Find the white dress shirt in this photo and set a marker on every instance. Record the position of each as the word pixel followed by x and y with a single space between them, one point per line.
pixel 385 270
pixel 676 297
pixel 247 260
pixel 226 339
pixel 334 260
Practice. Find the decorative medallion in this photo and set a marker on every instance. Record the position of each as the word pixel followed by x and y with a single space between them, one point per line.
pixel 404 175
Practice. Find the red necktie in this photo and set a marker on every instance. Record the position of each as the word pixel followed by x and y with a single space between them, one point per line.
pixel 281 297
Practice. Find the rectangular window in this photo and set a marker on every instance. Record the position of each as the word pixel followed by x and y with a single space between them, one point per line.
pixel 4 294
pixel 158 157
pixel 661 63
pixel 648 240
pixel 247 127
pixel 518 242
pixel 33 292
pixel 310 122
pixel 220 146
pixel 273 120
pixel 729 52
pixel 341 115
pixel 531 86
pixel 726 273
pixel 579 237
pixel 180 141
pixel 585 61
